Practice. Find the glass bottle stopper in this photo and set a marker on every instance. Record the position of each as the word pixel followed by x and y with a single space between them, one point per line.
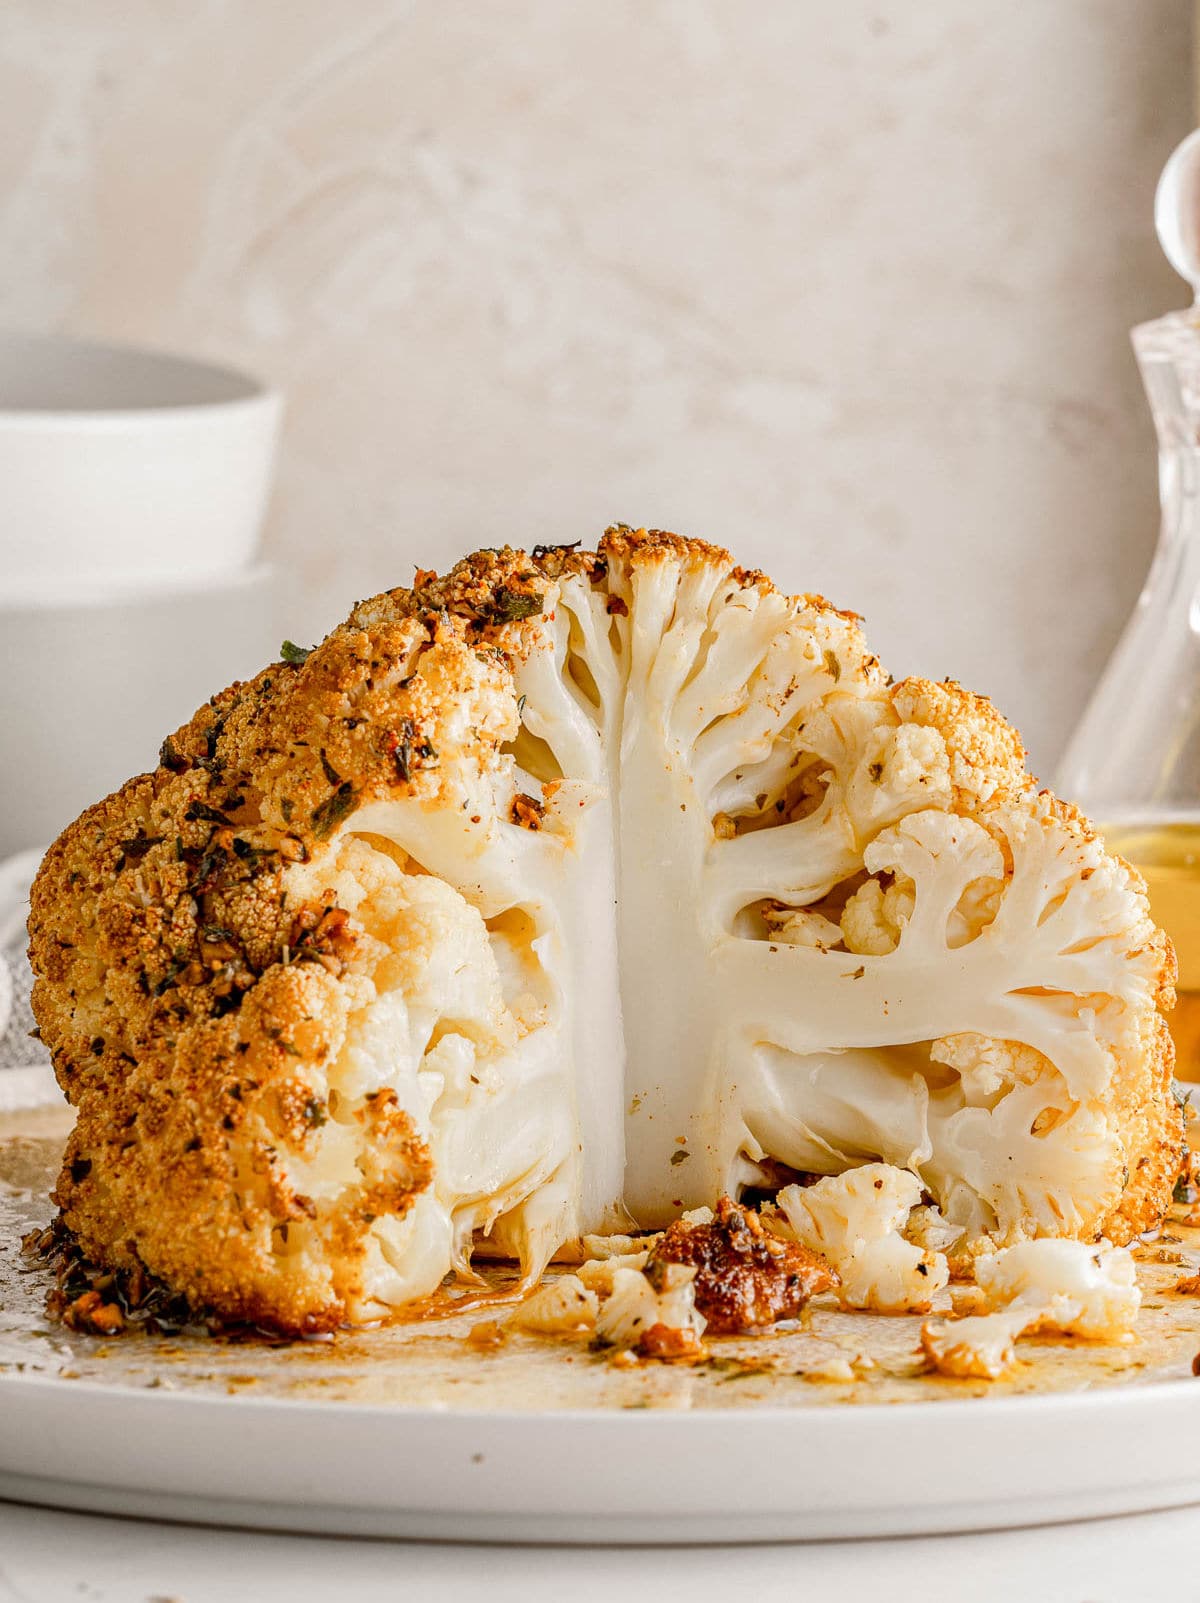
pixel 1177 210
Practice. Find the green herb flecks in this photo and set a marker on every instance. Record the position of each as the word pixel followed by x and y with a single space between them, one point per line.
pixel 406 747
pixel 290 652
pixel 170 978
pixel 198 811
pixel 327 817
pixel 512 605
pixel 171 759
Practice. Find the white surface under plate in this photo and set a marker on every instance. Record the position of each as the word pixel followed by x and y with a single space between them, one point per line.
pixel 415 1431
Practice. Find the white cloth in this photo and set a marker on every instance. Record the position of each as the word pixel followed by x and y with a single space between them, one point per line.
pixel 26 1078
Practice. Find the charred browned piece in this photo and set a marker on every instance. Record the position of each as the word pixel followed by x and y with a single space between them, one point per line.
pixel 745 1277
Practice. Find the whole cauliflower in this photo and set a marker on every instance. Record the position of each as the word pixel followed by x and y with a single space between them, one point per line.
pixel 573 887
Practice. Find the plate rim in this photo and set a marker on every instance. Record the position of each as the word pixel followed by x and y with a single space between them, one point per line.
pixel 1080 1399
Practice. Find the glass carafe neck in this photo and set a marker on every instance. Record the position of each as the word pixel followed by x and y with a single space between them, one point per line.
pixel 1168 354
pixel 1136 753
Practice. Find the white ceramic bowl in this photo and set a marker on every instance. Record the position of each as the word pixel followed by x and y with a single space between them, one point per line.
pixel 89 689
pixel 126 468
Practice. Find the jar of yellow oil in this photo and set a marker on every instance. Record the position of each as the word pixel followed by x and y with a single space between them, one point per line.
pixel 1134 762
pixel 1167 854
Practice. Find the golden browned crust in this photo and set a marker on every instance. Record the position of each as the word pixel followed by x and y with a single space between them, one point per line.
pixel 1141 1096
pixel 987 758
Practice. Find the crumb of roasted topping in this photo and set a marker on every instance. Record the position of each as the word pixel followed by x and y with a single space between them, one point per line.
pixel 746 1278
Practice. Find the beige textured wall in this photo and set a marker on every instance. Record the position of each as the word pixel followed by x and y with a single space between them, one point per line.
pixel 845 285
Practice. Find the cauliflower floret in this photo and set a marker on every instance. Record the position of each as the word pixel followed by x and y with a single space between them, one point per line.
pixel 1070 1287
pixel 801 927
pixel 565 891
pixel 874 917
pixel 658 1318
pixel 562 1306
pixel 930 1231
pixel 1075 1287
pixel 855 1220
pixel 902 768
pixel 978 1347
pixel 986 1066
pixel 600 1273
pixel 913 757
pixel 614 1246
pixel 984 754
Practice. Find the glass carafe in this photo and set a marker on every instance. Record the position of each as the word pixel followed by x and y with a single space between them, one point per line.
pixel 1134 762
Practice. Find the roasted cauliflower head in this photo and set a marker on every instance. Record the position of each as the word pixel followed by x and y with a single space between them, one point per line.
pixel 572 888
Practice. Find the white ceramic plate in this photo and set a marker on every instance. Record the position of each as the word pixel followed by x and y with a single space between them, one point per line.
pixel 605 1476
pixel 415 1431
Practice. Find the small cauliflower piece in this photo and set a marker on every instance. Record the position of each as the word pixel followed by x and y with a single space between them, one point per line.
pixel 967 1300
pixel 654 1314
pixel 835 1371
pixel 856 1220
pixel 600 1273
pixel 560 1307
pixel 979 1347
pixel 930 1231
pixel 987 1066
pixel 874 917
pixel 615 1246
pixel 1070 1287
pixel 800 927
pixel 1074 1287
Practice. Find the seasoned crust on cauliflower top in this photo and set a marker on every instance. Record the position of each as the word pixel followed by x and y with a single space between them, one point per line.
pixel 187 993
pixel 316 985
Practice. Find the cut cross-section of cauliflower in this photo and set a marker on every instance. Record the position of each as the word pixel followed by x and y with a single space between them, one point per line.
pixel 566 891
pixel 856 1221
